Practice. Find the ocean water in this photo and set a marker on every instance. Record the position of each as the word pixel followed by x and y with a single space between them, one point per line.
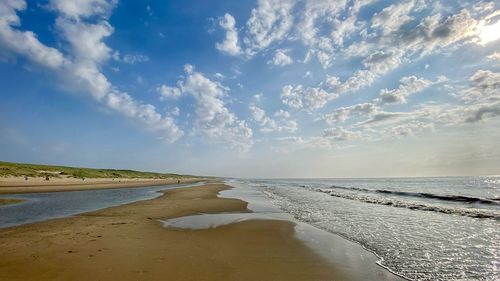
pixel 445 228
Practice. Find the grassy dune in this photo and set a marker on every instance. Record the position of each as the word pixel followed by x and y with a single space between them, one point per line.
pixel 34 170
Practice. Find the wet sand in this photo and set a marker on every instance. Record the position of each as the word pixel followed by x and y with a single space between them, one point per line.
pixel 128 242
pixel 16 185
pixel 6 201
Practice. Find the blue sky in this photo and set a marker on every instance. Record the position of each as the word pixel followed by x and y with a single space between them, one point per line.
pixel 253 88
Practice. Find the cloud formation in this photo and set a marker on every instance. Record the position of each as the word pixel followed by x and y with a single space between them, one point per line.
pixel 281 58
pixel 328 63
pixel 213 118
pixel 409 85
pixel 269 22
pixel 281 123
pixel 482 97
pixel 25 42
pixel 308 98
pixel 230 44
pixel 83 26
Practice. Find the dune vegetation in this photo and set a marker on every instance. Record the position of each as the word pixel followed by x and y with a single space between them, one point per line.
pixel 8 169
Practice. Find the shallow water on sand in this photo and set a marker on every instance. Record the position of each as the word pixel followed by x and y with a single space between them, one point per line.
pixel 350 258
pixel 43 206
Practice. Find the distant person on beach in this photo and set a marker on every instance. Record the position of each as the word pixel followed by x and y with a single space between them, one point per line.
pixel 25 178
pixel 47 178
pixel 178 181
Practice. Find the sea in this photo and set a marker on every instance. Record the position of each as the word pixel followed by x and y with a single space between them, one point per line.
pixel 430 228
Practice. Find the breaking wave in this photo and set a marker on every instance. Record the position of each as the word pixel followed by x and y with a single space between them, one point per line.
pixel 455 198
pixel 469 212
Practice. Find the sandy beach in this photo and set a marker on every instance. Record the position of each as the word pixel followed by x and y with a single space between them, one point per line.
pixel 129 243
pixel 13 185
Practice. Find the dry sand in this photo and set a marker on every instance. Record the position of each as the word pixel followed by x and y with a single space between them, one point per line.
pixel 129 243
pixel 11 185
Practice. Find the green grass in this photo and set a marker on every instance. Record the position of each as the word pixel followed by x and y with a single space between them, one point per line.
pixel 34 170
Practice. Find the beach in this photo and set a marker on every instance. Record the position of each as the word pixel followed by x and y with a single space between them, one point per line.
pixel 17 185
pixel 129 242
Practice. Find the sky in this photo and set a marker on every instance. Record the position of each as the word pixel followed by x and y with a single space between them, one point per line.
pixel 343 88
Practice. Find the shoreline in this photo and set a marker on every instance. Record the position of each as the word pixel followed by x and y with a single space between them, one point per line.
pixel 128 242
pixel 10 201
pixel 18 186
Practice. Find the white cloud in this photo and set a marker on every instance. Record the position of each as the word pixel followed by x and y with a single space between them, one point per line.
pixel 340 134
pixel 484 88
pixel 88 50
pixel 407 129
pixel 133 59
pixel 481 112
pixel 213 118
pixel 324 26
pixel 86 77
pixel 283 123
pixel 385 53
pixel 25 43
pixel 270 21
pixel 408 85
pixel 267 125
pixel 343 28
pixel 168 92
pixel 76 9
pixel 482 97
pixel 434 32
pixel 274 21
pixel 144 113
pixel 281 58
pixel 282 114
pixel 86 39
pixel 381 118
pixel 371 115
pixel 495 56
pixel 175 111
pixel 291 97
pixel 341 114
pixel 378 124
pixel 314 15
pixel 80 70
pixel 188 68
pixel 333 82
pixel 393 17
pixel 330 139
pixel 331 32
pixel 398 34
pixel 377 64
pixel 308 98
pixel 230 44
pixel 219 76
